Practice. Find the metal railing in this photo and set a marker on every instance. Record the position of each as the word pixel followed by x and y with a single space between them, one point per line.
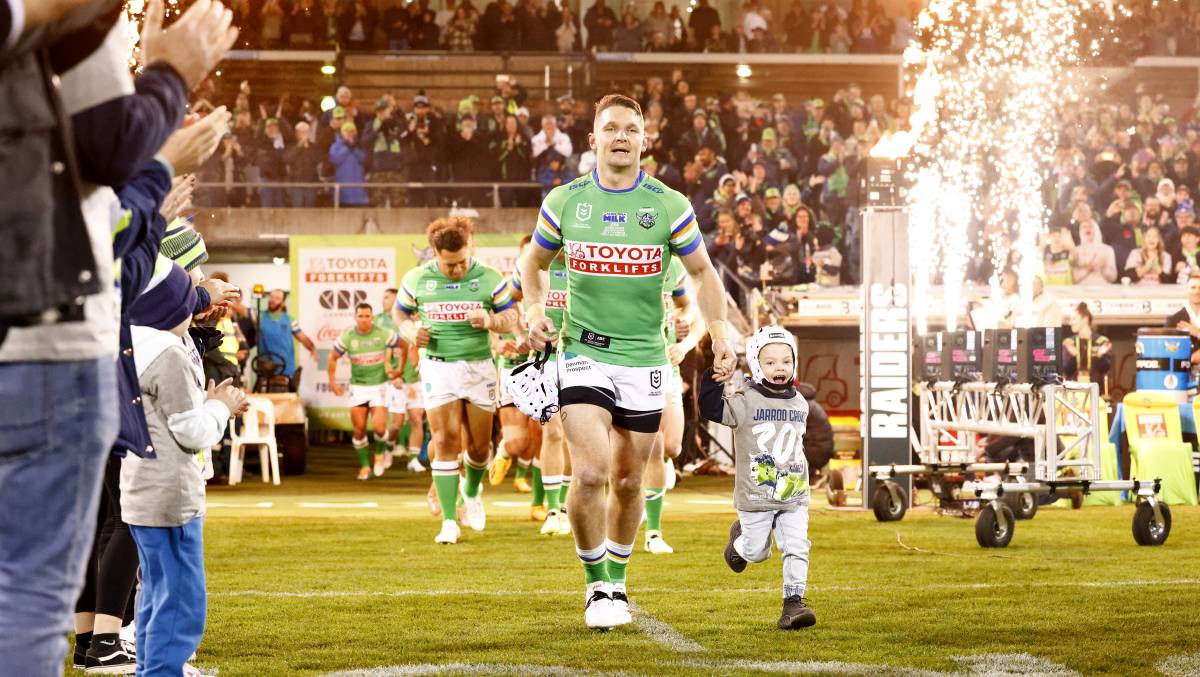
pixel 451 188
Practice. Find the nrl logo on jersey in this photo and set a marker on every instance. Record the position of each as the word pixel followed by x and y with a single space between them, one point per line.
pixel 430 285
pixel 583 211
pixel 647 217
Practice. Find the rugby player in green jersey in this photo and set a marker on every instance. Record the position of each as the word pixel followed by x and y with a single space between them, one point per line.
pixel 619 229
pixel 458 301
pixel 397 392
pixel 367 346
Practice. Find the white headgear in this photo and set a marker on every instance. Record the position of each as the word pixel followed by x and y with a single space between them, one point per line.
pixel 761 339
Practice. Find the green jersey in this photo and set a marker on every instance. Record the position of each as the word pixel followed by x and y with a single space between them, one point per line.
pixel 674 286
pixel 556 290
pixel 619 245
pixel 443 305
pixel 366 352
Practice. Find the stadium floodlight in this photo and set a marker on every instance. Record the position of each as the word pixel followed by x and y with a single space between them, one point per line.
pixel 743 71
pixel 328 69
pixel 327 103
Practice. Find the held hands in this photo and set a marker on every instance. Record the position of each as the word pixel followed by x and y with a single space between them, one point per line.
pixel 724 360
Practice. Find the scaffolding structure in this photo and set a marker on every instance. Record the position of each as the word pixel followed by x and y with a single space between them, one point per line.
pixel 1064 422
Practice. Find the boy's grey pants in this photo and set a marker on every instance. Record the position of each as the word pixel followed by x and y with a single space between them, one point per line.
pixel 791 535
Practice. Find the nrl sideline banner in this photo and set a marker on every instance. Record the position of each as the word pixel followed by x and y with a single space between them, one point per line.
pixel 332 274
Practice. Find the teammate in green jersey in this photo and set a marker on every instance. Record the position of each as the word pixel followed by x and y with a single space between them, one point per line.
pixel 458 300
pixel 553 471
pixel 682 330
pixel 367 345
pixel 516 442
pixel 397 392
pixel 619 229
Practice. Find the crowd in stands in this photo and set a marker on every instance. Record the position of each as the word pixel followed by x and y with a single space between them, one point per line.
pixel 545 26
pixel 1134 28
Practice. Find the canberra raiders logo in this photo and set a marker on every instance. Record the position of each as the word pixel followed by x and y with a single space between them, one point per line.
pixel 647 217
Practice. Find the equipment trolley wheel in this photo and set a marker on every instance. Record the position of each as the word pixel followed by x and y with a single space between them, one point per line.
pixel 890 502
pixel 1149 529
pixel 994 526
pixel 1024 506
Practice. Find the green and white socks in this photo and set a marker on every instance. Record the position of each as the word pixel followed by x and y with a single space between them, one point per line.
pixel 362 449
pixel 552 486
pixel 654 506
pixel 475 475
pixel 445 480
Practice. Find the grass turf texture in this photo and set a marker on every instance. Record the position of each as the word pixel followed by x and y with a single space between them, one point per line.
pixel 308 591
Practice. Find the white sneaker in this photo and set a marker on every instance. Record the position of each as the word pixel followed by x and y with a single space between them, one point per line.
pixel 552 526
pixel 597 610
pixel 476 517
pixel 655 545
pixel 414 465
pixel 620 606
pixel 190 670
pixel 387 460
pixel 670 477
pixel 564 524
pixel 449 533
pixel 379 468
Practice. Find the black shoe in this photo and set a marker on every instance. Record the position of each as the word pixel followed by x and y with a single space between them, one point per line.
pixel 107 656
pixel 79 660
pixel 796 614
pixel 734 560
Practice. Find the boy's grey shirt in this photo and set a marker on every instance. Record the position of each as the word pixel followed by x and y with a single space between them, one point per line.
pixel 768 442
pixel 168 490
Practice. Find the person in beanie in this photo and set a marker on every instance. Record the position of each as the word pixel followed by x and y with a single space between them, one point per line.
pixel 162 498
pixel 771 492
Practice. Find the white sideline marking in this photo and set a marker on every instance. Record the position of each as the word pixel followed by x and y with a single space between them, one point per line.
pixel 364 504
pixel 663 633
pixel 511 504
pixel 999 664
pixel 419 669
pixel 1183 665
pixel 808 668
pixel 263 504
pixel 686 591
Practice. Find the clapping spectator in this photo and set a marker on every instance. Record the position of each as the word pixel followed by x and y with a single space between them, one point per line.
pixel 271 168
pixel 1150 263
pixel 1094 262
pixel 567 35
pixel 356 25
pixel 1187 256
pixel 382 142
pixel 600 22
pixel 460 33
pixel 827 260
pixel 349 162
pixel 515 160
pixel 550 138
pixel 302 160
pixel 471 162
pixel 628 36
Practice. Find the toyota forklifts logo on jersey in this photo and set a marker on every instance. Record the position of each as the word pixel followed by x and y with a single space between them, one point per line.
pixel 620 260
pixel 449 311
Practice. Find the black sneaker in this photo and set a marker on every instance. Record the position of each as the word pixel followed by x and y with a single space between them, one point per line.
pixel 796 614
pixel 108 656
pixel 732 558
pixel 79 660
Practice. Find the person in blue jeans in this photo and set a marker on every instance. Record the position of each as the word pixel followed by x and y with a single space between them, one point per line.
pixel 162 498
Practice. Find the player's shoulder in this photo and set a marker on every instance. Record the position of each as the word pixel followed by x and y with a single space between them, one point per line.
pixel 417 272
pixel 674 201
pixel 559 195
pixel 484 271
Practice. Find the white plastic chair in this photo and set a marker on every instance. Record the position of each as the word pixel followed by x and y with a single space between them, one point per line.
pixel 258 428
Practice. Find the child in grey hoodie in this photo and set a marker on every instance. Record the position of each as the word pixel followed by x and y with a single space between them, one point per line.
pixel 162 498
pixel 771 489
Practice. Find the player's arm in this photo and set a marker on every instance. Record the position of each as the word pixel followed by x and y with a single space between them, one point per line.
pixel 541 328
pixel 710 296
pixel 404 316
pixel 338 351
pixel 690 316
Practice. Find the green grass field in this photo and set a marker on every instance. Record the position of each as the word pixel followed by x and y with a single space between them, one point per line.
pixel 341 586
